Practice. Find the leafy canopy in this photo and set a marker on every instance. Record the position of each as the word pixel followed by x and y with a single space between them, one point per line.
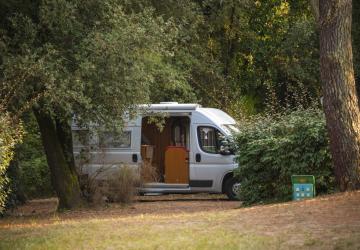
pixel 91 58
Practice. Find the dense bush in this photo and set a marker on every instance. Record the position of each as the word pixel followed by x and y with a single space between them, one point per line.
pixel 271 149
pixel 28 174
pixel 10 134
pixel 34 173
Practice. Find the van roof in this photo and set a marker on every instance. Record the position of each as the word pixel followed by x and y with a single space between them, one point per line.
pixel 171 106
pixel 215 115
pixel 200 115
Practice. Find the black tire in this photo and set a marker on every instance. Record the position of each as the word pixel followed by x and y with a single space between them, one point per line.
pixel 230 186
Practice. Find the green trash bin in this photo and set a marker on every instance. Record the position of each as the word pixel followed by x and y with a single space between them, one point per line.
pixel 303 186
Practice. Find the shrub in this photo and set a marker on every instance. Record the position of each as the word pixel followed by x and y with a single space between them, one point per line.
pixel 148 172
pixel 34 173
pixel 123 184
pixel 271 149
pixel 111 184
pixel 10 134
pixel 28 174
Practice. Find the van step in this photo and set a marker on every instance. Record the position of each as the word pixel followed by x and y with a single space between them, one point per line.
pixel 153 191
pixel 153 194
pixel 165 185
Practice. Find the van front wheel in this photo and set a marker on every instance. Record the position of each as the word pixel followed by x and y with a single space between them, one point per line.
pixel 232 187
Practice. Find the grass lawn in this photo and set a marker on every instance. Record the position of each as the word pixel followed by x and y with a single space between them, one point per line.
pixel 329 222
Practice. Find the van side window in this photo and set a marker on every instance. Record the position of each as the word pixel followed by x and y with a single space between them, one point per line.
pixel 111 140
pixel 209 139
pixel 178 134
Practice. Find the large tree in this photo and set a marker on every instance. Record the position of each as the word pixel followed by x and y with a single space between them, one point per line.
pixel 356 43
pixel 85 57
pixel 340 98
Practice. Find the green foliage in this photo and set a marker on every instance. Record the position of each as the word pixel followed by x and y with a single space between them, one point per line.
pixel 10 134
pixel 87 57
pixel 271 149
pixel 28 173
pixel 236 54
pixel 34 174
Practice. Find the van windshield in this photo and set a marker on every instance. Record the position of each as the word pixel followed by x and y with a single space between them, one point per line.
pixel 232 128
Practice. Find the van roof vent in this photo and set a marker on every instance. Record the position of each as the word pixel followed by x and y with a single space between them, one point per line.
pixel 169 103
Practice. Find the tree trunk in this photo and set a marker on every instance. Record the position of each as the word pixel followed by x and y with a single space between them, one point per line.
pixel 340 99
pixel 356 44
pixel 63 175
pixel 63 130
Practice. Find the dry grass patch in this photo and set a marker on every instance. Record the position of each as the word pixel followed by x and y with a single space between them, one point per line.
pixel 330 222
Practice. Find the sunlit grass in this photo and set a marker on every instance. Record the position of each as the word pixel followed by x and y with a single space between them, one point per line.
pixel 200 231
pixel 323 223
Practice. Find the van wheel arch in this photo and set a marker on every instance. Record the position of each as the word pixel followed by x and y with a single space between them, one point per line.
pixel 226 177
pixel 230 186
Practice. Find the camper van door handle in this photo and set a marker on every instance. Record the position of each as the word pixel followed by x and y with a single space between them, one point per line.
pixel 198 157
pixel 134 158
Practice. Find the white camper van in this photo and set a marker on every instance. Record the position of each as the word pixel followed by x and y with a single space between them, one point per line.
pixel 189 154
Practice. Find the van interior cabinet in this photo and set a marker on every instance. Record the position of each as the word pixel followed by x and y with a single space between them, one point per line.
pixel 176 165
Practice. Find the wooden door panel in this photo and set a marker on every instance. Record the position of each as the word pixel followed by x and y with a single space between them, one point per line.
pixel 176 165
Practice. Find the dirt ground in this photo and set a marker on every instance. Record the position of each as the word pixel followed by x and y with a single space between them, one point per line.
pixel 326 222
pixel 44 209
pixel 324 208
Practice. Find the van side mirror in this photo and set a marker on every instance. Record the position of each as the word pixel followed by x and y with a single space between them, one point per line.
pixel 225 148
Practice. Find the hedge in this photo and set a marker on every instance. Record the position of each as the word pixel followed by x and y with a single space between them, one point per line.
pixel 272 148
